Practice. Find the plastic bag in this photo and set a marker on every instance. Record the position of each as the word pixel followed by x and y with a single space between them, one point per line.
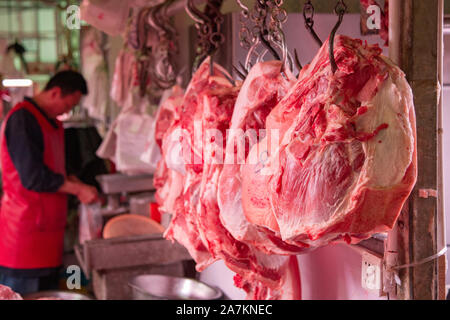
pixel 123 78
pixel 94 70
pixel 132 133
pixel 107 149
pixel 152 154
pixel 90 222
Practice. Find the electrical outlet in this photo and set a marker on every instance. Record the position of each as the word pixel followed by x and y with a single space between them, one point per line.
pixel 372 272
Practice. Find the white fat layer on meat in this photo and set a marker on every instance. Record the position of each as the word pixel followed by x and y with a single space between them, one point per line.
pixel 173 152
pixel 385 165
pixel 263 80
pixel 232 215
pixel 395 151
pixel 175 187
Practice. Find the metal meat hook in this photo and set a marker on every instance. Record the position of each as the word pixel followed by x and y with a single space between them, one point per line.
pixel 340 10
pixel 308 15
pixel 194 13
pixel 152 19
pixel 208 24
pixel 297 60
pixel 242 74
pixel 268 46
pixel 243 6
pixel 211 71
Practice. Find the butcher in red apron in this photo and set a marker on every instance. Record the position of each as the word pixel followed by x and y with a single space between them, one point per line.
pixel 35 186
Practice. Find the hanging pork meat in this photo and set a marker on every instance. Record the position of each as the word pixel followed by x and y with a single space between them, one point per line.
pixel 262 276
pixel 262 90
pixel 208 107
pixel 167 181
pixel 184 155
pixel 346 162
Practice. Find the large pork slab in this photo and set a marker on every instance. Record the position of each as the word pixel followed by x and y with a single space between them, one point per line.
pixel 346 158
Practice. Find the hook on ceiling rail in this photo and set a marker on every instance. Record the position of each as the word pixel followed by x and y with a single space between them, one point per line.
pixel 208 25
pixel 241 73
pixel 195 13
pixel 297 60
pixel 340 10
pixel 266 18
pixel 308 15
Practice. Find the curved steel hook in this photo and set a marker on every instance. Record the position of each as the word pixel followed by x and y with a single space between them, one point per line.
pixel 152 19
pixel 208 25
pixel 265 32
pixel 241 74
pixel 309 21
pixel 243 69
pixel 194 13
pixel 297 61
pixel 137 37
pixel 340 10
pixel 169 28
pixel 286 54
pixel 243 7
pixel 253 52
pixel 160 19
pixel 267 45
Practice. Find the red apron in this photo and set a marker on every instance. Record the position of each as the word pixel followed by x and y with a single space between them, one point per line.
pixel 32 223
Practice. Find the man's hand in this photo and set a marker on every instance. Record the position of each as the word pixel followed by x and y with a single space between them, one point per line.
pixel 87 194
pixel 73 178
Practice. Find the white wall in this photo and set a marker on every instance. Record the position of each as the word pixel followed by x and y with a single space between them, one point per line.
pixel 333 273
pixel 329 273
pixel 220 276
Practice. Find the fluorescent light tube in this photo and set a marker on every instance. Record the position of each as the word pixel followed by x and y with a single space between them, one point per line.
pixel 17 83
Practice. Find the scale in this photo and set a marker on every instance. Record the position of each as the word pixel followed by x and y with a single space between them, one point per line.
pixel 120 191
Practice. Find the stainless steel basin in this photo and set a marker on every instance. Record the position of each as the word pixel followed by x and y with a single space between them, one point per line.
pixel 162 287
pixel 57 295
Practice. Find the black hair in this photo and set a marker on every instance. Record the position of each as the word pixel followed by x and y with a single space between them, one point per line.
pixel 69 81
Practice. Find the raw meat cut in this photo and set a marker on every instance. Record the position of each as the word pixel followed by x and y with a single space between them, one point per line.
pixel 110 17
pixel 262 90
pixel 346 162
pixel 263 275
pixel 167 182
pixel 288 288
pixel 7 294
pixel 167 113
pixel 336 162
pixel 184 155
pixel 196 223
